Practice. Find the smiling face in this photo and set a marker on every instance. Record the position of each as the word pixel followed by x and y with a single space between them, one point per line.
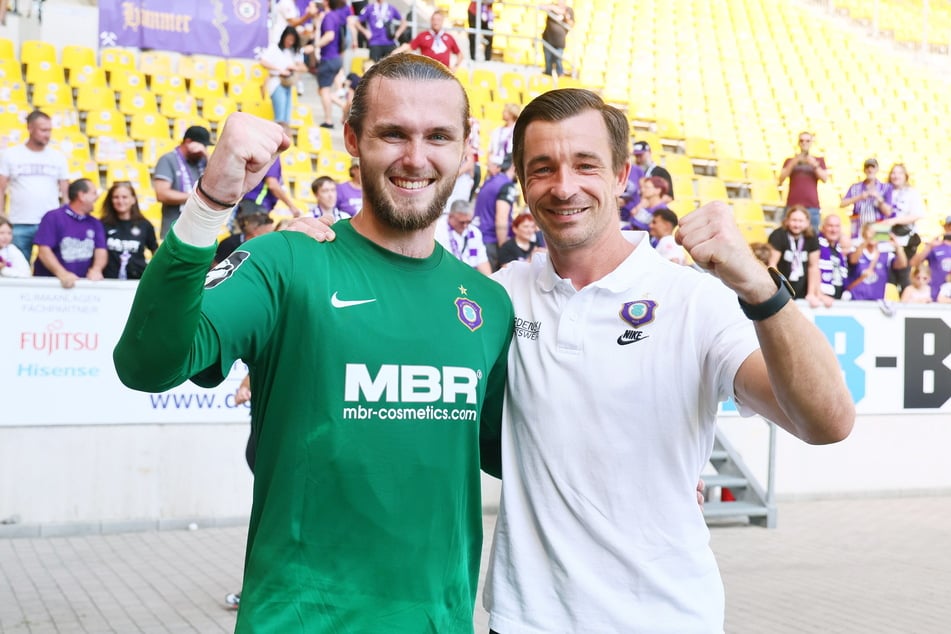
pixel 570 184
pixel 122 201
pixel 327 195
pixel 410 149
pixel 797 221
pixel 832 228
pixel 898 177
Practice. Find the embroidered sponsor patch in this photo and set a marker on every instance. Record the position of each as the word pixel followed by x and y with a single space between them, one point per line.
pixel 225 269
pixel 638 313
pixel 469 313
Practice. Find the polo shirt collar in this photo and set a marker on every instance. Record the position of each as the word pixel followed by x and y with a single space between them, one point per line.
pixel 618 280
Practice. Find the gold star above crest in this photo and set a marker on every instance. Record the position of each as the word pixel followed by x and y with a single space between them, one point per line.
pixel 462 289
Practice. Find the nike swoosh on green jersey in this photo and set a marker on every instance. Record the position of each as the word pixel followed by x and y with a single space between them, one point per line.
pixel 345 303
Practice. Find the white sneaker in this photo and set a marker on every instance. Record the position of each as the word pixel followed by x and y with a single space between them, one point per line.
pixel 300 88
pixel 232 600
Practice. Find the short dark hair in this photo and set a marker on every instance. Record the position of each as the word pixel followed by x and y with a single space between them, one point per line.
pixel 666 215
pixel 564 103
pixel 402 66
pixel 77 187
pixel 36 114
pixel 319 182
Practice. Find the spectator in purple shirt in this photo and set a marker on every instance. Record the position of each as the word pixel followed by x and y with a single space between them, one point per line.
pixel 72 243
pixel 868 266
pixel 382 25
pixel 329 48
pixel 938 256
pixel 350 193
pixel 870 198
pixel 654 196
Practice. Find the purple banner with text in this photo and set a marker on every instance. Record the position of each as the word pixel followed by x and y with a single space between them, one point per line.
pixel 228 28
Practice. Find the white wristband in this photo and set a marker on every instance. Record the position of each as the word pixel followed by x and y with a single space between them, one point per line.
pixel 199 224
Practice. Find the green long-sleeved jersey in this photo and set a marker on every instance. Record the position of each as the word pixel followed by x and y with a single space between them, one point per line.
pixel 372 374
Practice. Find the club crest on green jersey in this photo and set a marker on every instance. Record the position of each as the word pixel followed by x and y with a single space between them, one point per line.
pixel 469 313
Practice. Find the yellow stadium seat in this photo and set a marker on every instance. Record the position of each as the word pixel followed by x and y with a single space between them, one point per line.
pixel 133 100
pixel 165 84
pixel 683 187
pixel 149 125
pixel 45 72
pixel 76 56
pixel 710 188
pixel 10 70
pixel 678 164
pixel 12 92
pixel 750 219
pixel 246 91
pixel 297 166
pixel 71 142
pixel 730 171
pixel 116 60
pixel 202 88
pixel 697 147
pixel 512 87
pixel 64 118
pixel 32 51
pixel 668 129
pixel 79 168
pixel 237 70
pixel 87 75
pixel 259 108
pixel 302 116
pixel 760 171
pixel 216 110
pixel 485 79
pixel 153 149
pixel 158 62
pixel 92 97
pixel 134 173
pixel 7 49
pixel 334 164
pixel 539 83
pixel 177 105
pixel 113 149
pixel 105 122
pixel 766 193
pixel 50 95
pixel 127 80
pixel 196 67
pixel 314 140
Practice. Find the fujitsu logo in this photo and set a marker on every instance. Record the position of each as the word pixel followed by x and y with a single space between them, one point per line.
pixel 53 339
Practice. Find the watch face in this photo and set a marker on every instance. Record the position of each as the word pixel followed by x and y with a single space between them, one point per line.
pixel 781 280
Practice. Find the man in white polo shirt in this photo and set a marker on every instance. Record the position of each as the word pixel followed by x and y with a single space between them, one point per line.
pixel 618 363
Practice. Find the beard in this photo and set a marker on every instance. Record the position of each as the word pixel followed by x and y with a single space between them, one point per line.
pixel 405 217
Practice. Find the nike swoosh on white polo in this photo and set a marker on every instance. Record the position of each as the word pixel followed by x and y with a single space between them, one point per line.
pixel 346 303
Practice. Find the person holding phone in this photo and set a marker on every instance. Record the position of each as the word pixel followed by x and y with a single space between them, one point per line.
pixel 804 172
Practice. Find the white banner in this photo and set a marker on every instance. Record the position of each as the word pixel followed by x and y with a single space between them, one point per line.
pixel 56 359
pixel 56 362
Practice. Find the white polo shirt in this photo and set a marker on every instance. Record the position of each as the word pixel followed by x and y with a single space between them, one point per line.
pixel 611 403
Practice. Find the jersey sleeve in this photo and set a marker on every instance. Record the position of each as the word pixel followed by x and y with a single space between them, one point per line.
pixel 166 339
pixel 490 426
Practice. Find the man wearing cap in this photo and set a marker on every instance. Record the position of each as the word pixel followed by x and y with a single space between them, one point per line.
pixel 493 207
pixel 870 198
pixel 804 172
pixel 645 161
pixel 177 172
pixel 937 254
pixel 253 220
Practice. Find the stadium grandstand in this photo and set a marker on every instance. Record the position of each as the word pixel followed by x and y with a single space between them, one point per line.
pixel 720 89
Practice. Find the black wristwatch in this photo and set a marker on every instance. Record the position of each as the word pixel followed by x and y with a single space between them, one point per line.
pixel 765 310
